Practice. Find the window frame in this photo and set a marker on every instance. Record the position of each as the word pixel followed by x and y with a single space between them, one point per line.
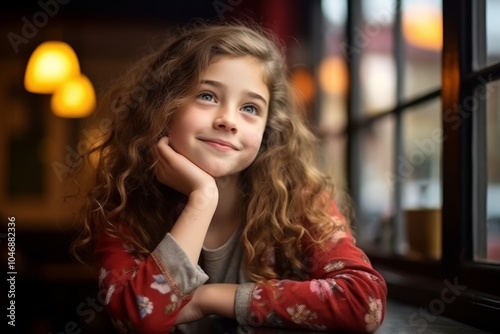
pixel 428 283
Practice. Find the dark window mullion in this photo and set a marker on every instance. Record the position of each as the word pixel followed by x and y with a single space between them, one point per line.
pixel 450 95
pixel 399 58
pixel 467 91
pixel 478 247
pixel 353 99
pixel 457 181
pixel 480 33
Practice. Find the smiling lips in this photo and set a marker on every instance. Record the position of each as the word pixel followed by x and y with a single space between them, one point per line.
pixel 220 145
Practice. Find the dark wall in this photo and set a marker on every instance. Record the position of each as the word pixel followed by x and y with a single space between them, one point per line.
pixel 53 292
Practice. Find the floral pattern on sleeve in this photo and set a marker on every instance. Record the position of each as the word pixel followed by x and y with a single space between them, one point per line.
pixel 344 293
pixel 139 298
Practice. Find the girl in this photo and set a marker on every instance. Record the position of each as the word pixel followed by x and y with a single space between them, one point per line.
pixel 204 199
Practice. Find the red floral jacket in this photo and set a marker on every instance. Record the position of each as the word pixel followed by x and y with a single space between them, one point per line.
pixel 145 295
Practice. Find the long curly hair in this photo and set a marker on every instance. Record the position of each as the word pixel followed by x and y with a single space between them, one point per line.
pixel 286 199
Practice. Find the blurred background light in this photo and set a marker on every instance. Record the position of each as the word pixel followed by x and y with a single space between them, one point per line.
pixel 303 82
pixel 51 64
pixel 423 27
pixel 75 98
pixel 333 75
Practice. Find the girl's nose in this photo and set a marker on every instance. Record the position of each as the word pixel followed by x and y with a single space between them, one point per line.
pixel 225 120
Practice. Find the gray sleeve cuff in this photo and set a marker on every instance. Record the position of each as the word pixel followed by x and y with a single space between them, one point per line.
pixel 177 268
pixel 242 302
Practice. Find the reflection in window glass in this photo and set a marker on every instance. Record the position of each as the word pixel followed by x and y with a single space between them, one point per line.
pixel 422 34
pixel 375 194
pixel 377 66
pixel 487 33
pixel 335 11
pixel 492 32
pixel 378 82
pixel 490 238
pixel 419 168
pixel 493 163
pixel 332 78
pixel 419 172
pixel 332 69
pixel 333 152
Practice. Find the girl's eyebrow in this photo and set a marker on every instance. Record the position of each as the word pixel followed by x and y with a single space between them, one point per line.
pixel 219 84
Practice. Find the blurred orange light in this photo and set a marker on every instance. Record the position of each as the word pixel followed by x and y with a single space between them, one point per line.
pixel 423 26
pixel 303 83
pixel 333 75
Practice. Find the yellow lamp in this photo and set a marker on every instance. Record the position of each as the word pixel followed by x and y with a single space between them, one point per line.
pixel 75 98
pixel 51 64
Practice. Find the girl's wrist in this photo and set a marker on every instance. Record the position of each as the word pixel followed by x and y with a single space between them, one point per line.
pixel 219 299
pixel 205 197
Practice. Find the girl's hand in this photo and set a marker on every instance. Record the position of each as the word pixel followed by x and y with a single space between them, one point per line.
pixel 178 172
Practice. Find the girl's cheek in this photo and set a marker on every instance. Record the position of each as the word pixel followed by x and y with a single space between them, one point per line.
pixel 255 140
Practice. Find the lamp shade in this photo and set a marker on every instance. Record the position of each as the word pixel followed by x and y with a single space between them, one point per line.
pixel 51 64
pixel 75 98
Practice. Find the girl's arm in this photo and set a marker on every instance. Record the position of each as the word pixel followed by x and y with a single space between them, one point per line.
pixel 146 294
pixel 177 172
pixel 343 293
pixel 210 299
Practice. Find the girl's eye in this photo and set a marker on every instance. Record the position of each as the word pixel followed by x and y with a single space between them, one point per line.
pixel 206 96
pixel 251 109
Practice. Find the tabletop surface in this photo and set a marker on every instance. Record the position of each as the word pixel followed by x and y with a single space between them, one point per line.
pixel 400 318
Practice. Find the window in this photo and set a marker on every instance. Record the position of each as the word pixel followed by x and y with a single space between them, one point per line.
pixel 332 79
pixel 484 104
pixel 420 117
pixel 486 167
pixel 488 238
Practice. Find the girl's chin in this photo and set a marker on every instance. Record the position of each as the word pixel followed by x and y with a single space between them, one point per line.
pixel 222 171
pixel 222 177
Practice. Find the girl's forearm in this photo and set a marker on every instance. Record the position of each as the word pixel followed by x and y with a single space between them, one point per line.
pixel 219 299
pixel 191 227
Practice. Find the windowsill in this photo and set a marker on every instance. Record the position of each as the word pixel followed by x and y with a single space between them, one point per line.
pixel 404 318
pixel 430 297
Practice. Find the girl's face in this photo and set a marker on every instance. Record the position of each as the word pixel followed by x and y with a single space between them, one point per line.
pixel 221 128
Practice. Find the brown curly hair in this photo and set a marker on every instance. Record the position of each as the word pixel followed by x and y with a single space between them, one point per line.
pixel 284 201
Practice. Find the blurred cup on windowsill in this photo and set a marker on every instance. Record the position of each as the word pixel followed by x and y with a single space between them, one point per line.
pixel 423 228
